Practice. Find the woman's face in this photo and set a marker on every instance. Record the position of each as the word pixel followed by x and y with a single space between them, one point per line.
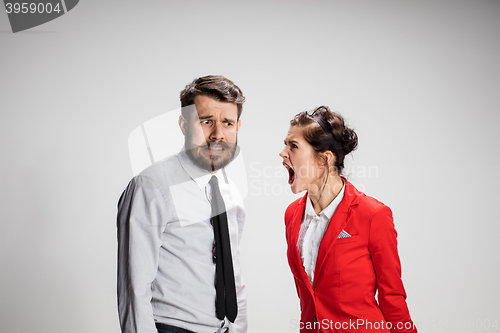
pixel 304 170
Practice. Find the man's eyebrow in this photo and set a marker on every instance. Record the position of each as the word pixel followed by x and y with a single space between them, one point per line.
pixel 229 120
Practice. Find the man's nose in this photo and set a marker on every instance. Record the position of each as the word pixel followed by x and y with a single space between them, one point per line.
pixel 217 134
pixel 283 154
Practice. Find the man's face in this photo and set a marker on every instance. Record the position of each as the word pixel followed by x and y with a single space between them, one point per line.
pixel 211 133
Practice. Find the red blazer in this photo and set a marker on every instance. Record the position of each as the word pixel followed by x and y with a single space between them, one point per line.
pixel 349 271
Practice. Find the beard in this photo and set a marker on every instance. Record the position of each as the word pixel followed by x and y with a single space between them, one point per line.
pixel 213 155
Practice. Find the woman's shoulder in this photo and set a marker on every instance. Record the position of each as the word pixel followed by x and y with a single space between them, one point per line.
pixel 365 201
pixel 290 210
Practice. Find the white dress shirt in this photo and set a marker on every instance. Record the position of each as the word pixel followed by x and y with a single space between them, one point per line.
pixel 166 273
pixel 312 230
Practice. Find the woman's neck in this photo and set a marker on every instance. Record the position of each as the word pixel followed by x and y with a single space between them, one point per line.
pixel 321 199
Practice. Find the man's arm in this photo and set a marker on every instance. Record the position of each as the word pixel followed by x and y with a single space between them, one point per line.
pixel 139 240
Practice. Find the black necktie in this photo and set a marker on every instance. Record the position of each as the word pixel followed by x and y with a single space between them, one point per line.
pixel 225 301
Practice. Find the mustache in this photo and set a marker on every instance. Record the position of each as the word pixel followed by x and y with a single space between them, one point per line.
pixel 214 144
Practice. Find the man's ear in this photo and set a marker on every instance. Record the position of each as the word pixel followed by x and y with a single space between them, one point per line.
pixel 238 125
pixel 183 124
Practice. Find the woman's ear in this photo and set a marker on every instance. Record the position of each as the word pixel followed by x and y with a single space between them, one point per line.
pixel 328 158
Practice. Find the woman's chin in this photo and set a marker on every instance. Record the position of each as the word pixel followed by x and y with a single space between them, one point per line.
pixel 295 189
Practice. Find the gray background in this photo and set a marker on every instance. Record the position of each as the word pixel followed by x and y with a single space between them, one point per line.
pixel 419 81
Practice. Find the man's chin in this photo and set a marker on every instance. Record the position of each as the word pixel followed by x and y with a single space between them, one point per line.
pixel 219 163
pixel 209 162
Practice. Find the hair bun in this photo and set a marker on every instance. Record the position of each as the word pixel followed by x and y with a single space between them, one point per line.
pixel 349 140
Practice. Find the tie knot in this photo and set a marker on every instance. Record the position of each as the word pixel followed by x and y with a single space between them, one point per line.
pixel 217 201
pixel 214 181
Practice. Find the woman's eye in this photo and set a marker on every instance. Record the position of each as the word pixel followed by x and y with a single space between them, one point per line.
pixel 294 146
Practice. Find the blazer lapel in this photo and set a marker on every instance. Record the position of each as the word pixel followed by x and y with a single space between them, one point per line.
pixel 337 224
pixel 296 262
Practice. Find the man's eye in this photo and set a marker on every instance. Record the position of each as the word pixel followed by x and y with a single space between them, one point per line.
pixel 229 124
pixel 205 122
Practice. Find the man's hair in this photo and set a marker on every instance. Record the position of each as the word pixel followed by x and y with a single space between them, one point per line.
pixel 214 86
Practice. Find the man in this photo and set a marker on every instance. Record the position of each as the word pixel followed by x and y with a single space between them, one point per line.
pixel 180 223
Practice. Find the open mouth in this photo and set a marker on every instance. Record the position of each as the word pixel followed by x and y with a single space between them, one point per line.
pixel 291 173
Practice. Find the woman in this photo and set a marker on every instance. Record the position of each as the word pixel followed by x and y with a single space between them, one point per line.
pixel 342 246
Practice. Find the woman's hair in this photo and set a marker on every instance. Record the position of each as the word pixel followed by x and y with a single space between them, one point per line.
pixel 321 141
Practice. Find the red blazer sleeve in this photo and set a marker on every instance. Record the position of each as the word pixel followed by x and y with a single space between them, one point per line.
pixel 383 249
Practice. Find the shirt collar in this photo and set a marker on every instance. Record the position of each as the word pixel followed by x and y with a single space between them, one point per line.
pixel 199 175
pixel 329 210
